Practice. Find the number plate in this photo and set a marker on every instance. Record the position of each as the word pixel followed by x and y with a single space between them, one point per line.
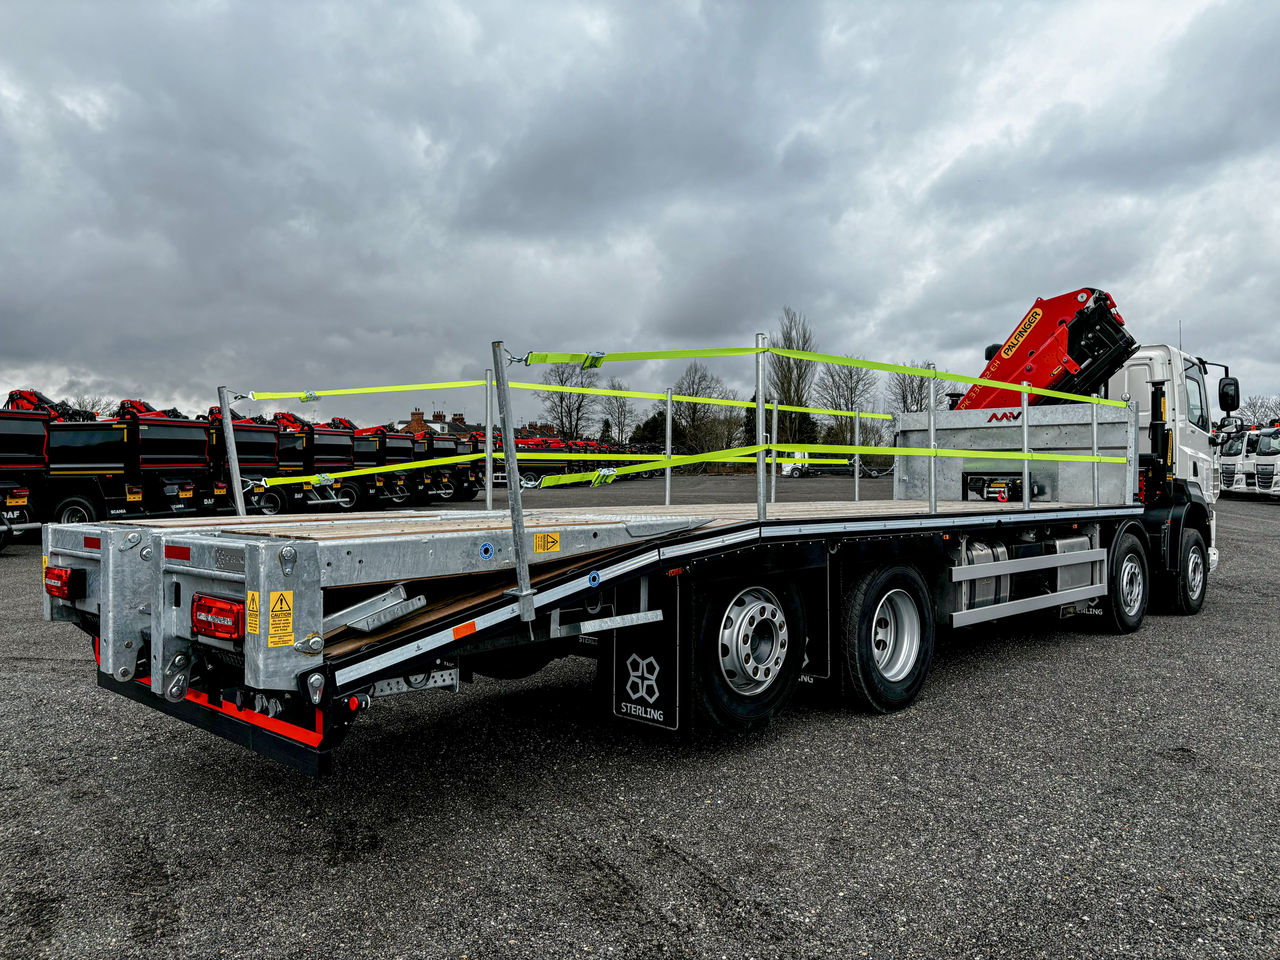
pixel 15 501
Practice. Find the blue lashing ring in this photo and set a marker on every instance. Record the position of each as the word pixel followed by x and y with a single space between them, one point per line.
pixel 486 551
pixel 593 578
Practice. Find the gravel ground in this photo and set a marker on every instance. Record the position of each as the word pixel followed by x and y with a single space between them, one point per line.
pixel 1053 794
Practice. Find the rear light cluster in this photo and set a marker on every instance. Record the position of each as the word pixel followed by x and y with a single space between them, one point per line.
pixel 64 583
pixel 217 618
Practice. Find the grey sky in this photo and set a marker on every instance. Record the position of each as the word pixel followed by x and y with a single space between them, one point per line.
pixel 281 195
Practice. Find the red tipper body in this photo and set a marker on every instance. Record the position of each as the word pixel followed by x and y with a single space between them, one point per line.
pixel 1072 343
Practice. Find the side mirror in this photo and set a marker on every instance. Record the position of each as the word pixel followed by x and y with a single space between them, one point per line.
pixel 1229 394
pixel 991 351
pixel 1229 427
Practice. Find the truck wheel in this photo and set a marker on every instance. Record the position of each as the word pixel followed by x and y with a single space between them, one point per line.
pixel 348 497
pixel 888 638
pixel 446 490
pixel 749 656
pixel 1128 585
pixel 1192 583
pixel 271 503
pixel 528 479
pixel 464 493
pixel 75 510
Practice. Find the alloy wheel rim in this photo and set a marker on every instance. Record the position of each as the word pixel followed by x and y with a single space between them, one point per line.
pixel 753 641
pixel 1131 584
pixel 895 635
pixel 1195 572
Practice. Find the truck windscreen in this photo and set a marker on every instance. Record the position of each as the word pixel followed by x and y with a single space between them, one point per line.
pixel 1269 446
pixel 1233 447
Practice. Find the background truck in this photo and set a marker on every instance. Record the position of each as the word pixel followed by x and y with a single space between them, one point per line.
pixel 305 448
pixel 280 633
pixel 258 449
pixel 24 465
pixel 1265 461
pixel 141 461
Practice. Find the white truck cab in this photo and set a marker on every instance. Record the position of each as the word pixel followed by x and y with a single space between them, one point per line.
pixel 1266 458
pixel 1238 461
pixel 1162 374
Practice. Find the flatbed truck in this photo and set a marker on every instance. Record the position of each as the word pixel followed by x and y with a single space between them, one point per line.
pixel 279 633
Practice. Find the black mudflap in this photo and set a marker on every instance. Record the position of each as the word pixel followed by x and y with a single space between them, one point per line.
pixel 651 666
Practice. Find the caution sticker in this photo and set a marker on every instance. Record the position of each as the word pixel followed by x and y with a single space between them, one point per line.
pixel 280 619
pixel 251 605
pixel 546 543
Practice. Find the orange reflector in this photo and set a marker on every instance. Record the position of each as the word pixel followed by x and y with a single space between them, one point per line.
pixel 464 630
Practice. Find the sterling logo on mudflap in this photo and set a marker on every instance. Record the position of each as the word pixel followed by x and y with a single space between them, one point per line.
pixel 1020 334
pixel 642 684
pixel 1006 416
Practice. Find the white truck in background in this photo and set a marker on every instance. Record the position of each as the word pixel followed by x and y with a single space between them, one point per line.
pixel 1266 458
pixel 1238 462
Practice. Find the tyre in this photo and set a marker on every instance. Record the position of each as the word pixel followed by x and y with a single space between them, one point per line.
pixel 750 651
pixel 348 496
pixel 888 634
pixel 1128 585
pixel 75 510
pixel 271 502
pixel 4 535
pixel 1192 582
pixel 446 490
pixel 464 493
pixel 528 479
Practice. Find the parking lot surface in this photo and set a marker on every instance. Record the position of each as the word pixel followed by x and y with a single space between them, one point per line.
pixel 1056 792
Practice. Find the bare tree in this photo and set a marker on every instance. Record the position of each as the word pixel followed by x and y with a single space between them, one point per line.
pixel 705 427
pixel 97 402
pixel 909 392
pixel 1259 409
pixel 846 388
pixel 618 412
pixel 569 413
pixel 791 380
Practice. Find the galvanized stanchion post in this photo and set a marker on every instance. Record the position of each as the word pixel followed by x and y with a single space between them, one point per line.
pixel 488 439
pixel 666 498
pixel 1026 450
pixel 1131 454
pixel 933 443
pixel 857 457
pixel 1093 411
pixel 233 458
pixel 773 458
pixel 761 509
pixel 523 592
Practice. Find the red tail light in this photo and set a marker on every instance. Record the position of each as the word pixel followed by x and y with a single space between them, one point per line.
pixel 217 618
pixel 64 583
pixel 219 487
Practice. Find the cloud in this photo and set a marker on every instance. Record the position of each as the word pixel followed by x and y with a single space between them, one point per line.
pixel 278 195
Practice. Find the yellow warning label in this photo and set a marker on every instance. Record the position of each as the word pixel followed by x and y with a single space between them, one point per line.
pixel 546 543
pixel 1024 328
pixel 44 566
pixel 252 602
pixel 280 619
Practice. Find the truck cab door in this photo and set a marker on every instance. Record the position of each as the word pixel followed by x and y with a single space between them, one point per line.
pixel 1194 454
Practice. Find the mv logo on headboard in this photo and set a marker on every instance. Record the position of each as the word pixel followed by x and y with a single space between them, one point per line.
pixel 1005 416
